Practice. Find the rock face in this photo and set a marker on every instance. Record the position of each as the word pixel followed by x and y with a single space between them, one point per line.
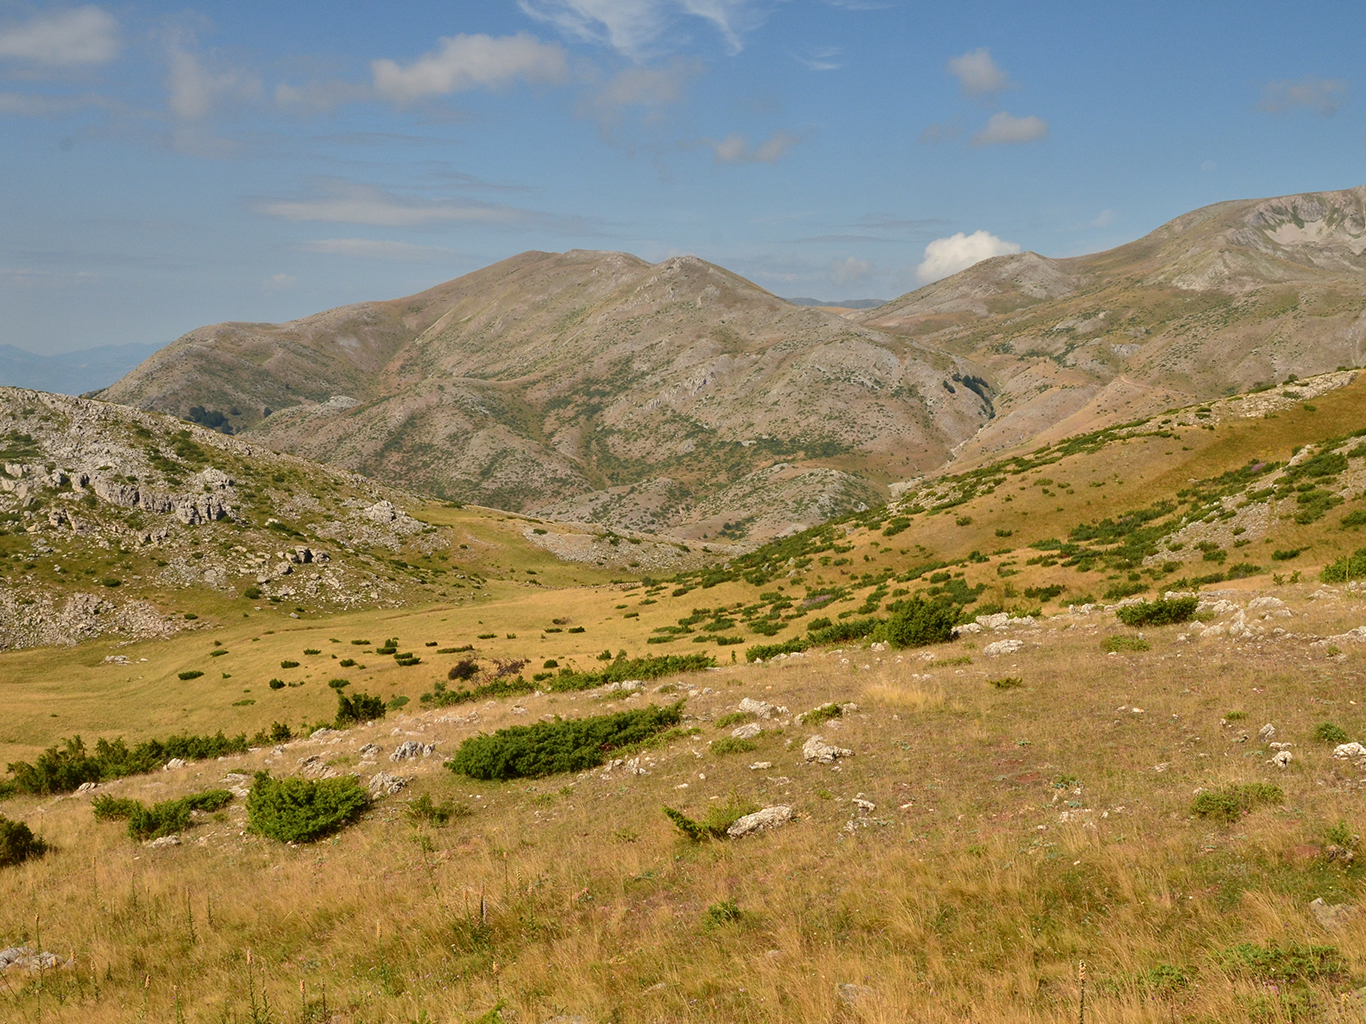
pixel 411 748
pixel 747 731
pixel 768 818
pixel 815 749
pixel 22 958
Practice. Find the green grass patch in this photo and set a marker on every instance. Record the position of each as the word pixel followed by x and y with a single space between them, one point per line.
pixel 731 745
pixel 1230 803
pixel 1124 644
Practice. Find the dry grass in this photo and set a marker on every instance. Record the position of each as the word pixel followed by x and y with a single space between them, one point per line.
pixel 964 895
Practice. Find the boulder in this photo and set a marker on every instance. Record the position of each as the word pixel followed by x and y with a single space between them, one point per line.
pixel 370 750
pixel 747 731
pixel 761 709
pixel 410 749
pixel 384 784
pixel 769 817
pixel 163 842
pixel 817 750
pixel 1000 647
pixel 1331 916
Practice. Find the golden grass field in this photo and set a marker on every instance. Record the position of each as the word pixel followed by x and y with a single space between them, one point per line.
pixel 1018 830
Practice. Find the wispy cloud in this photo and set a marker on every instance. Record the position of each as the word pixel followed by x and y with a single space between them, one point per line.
pixel 820 59
pixel 635 27
pixel 936 133
pixel 467 62
pixel 379 249
pixel 1004 129
pixel 1322 95
pixel 945 256
pixel 18 104
pixel 198 83
pixel 334 201
pixel 277 283
pixel 851 270
pixel 736 149
pixel 978 74
pixel 82 36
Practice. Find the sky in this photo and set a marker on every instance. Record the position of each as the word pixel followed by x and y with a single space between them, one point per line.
pixel 165 166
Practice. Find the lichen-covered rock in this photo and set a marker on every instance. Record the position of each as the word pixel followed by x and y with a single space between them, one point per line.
pixel 815 749
pixel 768 818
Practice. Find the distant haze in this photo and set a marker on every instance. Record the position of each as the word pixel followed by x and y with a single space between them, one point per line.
pixel 841 303
pixel 71 373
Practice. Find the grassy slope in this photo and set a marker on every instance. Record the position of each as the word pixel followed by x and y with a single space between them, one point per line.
pixel 964 893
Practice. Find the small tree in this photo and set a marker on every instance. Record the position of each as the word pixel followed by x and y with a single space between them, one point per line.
pixel 360 707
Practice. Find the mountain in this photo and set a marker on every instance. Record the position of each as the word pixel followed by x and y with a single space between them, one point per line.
pixel 587 386
pixel 1218 300
pixel 70 373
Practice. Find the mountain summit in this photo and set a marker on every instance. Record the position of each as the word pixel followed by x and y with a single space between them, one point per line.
pixel 588 385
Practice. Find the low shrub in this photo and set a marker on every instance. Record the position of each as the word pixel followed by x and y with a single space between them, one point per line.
pixel 464 670
pixel 1121 644
pixel 714 823
pixel 276 684
pixel 289 664
pixel 551 748
pixel 622 668
pixel 423 808
pixel 494 689
pixel 163 819
pixel 822 714
pixel 295 810
pixel 1007 682
pixel 193 673
pixel 359 707
pixel 918 623
pixel 110 808
pixel 1292 963
pixel 1231 802
pixel 18 843
pixel 725 912
pixel 1161 612
pixel 1351 567
pixel 338 684
pixel 733 719
pixel 1327 732
pixel 762 652
pixel 731 745
pixel 252 593
pixel 843 632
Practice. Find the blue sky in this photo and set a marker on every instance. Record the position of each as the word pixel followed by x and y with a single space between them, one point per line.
pixel 163 166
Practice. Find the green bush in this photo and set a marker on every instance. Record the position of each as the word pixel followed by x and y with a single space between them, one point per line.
pixel 842 632
pixel 551 748
pixel 277 684
pixel 289 664
pixel 1231 802
pixel 1327 732
pixel 1120 644
pixel 765 651
pixel 425 809
pixel 731 745
pixel 359 707
pixel 252 593
pixel 1161 612
pixel 1285 964
pixel 714 823
pixel 822 714
pixel 163 819
pixel 918 623
pixel 193 673
pixel 623 668
pixel 1007 682
pixel 295 810
pixel 109 808
pixel 18 843
pixel 1347 568
pixel 725 912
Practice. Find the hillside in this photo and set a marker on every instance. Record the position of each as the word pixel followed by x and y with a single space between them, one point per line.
pixel 594 387
pixel 1171 804
pixel 1216 301
pixel 114 521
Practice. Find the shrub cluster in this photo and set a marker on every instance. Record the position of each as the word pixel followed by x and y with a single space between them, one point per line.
pixel 1161 612
pixel 295 810
pixel 359 707
pixel 18 843
pixel 1231 802
pixel 163 819
pixel 62 770
pixel 1352 567
pixel 918 623
pixel 714 823
pixel 623 668
pixel 551 748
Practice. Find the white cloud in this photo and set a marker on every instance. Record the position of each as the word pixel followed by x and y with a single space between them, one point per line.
pixel 1005 129
pixel 850 271
pixel 820 59
pixel 378 249
pixel 278 283
pixel 1321 95
pixel 85 35
pixel 350 203
pixel 632 27
pixel 978 74
pixel 467 62
pixel 195 88
pixel 735 149
pixel 945 256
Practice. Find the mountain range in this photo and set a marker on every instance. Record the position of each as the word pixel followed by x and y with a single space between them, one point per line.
pixel 683 399
pixel 70 373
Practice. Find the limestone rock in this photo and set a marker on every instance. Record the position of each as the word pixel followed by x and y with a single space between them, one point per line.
pixel 769 817
pixel 850 995
pixel 163 842
pixel 1000 647
pixel 1282 759
pixel 410 749
pixel 747 731
pixel 761 709
pixel 384 784
pixel 370 750
pixel 816 749
pixel 1266 733
pixel 1331 916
